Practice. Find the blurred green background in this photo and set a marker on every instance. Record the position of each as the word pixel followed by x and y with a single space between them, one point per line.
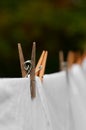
pixel 53 24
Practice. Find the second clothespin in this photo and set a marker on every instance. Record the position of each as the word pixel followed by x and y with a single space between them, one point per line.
pixel 63 64
pixel 40 68
pixel 70 59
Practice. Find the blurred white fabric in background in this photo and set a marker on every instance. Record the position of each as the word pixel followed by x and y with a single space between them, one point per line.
pixel 60 102
pixel 84 66
pixel 78 97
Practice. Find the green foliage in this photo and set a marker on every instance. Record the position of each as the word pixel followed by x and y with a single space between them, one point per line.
pixel 53 28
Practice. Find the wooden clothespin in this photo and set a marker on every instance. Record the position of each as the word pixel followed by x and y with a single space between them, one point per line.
pixel 42 71
pixel 21 58
pixel 61 60
pixel 78 58
pixel 70 59
pixel 84 55
pixel 40 68
pixel 39 64
pixel 32 73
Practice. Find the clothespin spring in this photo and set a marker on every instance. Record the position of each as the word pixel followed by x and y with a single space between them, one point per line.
pixel 27 67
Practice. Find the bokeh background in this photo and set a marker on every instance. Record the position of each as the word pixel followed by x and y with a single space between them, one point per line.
pixel 53 24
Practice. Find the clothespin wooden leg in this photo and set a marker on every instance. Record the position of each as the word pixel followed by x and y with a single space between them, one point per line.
pixel 21 57
pixel 78 58
pixel 61 60
pixel 32 73
pixel 39 64
pixel 84 55
pixel 41 73
pixel 70 59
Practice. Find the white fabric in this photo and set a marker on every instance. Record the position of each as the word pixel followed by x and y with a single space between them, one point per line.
pixel 84 66
pixel 78 97
pixel 18 111
pixel 66 96
pixel 15 104
pixel 60 102
pixel 56 90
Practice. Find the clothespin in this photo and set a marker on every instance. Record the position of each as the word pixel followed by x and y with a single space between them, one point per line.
pixel 78 58
pixel 24 69
pixel 39 64
pixel 42 71
pixel 70 59
pixel 32 73
pixel 84 55
pixel 40 68
pixel 61 61
pixel 21 58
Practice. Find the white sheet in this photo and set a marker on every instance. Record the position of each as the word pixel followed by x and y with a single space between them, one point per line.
pixel 18 111
pixel 78 97
pixel 60 102
pixel 66 97
pixel 56 91
pixel 15 104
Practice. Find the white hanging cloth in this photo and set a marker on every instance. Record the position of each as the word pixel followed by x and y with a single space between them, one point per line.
pixel 66 97
pixel 56 91
pixel 18 111
pixel 15 104
pixel 77 82
pixel 60 102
